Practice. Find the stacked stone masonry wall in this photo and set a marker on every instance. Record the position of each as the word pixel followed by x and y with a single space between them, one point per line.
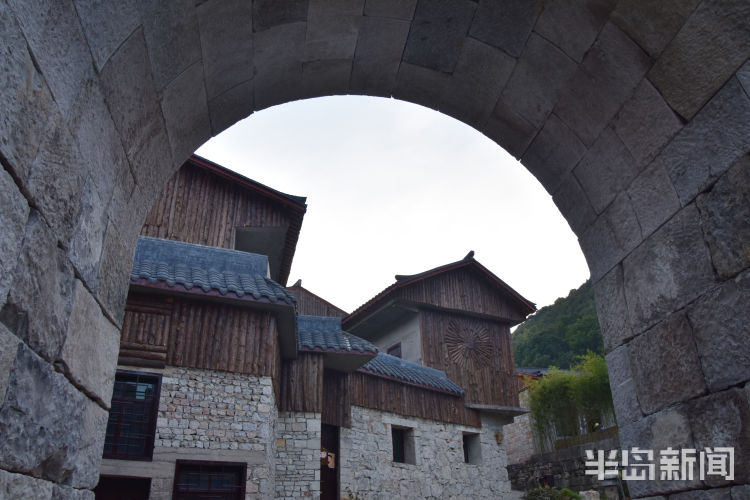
pixel 439 471
pixel 298 455
pixel 210 416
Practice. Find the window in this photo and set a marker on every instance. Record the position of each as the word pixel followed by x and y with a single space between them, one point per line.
pixel 395 350
pixel 132 419
pixel 472 449
pixel 122 488
pixel 403 445
pixel 214 480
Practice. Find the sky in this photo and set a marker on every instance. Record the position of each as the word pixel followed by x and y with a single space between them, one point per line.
pixel 396 188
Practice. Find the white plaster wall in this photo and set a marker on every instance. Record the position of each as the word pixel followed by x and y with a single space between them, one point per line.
pixel 368 470
pixel 408 333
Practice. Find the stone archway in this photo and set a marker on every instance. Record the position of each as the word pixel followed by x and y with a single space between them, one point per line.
pixel 633 116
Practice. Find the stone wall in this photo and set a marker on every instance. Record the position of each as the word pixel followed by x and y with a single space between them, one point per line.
pixel 212 416
pixel 298 455
pixel 519 439
pixel 563 469
pixel 439 471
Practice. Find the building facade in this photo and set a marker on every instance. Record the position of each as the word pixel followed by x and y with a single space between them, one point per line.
pixel 230 385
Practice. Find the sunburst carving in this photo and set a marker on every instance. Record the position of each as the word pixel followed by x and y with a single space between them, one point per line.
pixel 469 345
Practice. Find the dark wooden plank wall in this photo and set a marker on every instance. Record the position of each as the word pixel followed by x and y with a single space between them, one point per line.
pixel 199 207
pixel 312 305
pixel 462 289
pixel 197 334
pixel 386 395
pixel 302 383
pixel 336 399
pixel 492 382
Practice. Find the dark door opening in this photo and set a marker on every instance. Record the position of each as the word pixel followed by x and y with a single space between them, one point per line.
pixel 329 462
pixel 122 488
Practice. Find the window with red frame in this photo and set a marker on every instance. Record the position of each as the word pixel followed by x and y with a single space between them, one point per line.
pixel 132 419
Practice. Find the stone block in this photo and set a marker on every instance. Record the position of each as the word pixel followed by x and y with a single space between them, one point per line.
pixel 741 492
pixel 50 429
pixel 230 107
pixel 743 75
pixel 511 131
pixel 172 37
pixel 24 98
pixel 97 139
pixel 611 237
pixel 622 384
pixel 106 26
pixel 505 25
pixel 725 212
pixel 666 367
pixel 653 197
pixel 474 88
pixel 712 494
pixel 603 83
pixel 394 9
pixel 21 486
pixel 114 271
pixel 574 205
pixel 378 55
pixel 553 153
pixel 226 31
pixel 646 106
pixel 438 32
pixel 574 25
pixel 421 85
pixel 612 309
pixel 278 64
pixel 712 44
pixel 723 420
pixel 710 143
pixel 606 170
pixel 324 78
pixel 85 248
pixel 186 113
pixel 720 335
pixel 40 297
pixel 662 430
pixel 270 13
pixel 14 212
pixel 542 73
pixel 54 34
pixel 68 493
pixel 670 269
pixel 652 24
pixel 89 355
pixel 332 28
pixel 55 181
pixel 8 351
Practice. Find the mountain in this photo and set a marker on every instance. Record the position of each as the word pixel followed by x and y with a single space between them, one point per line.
pixel 556 335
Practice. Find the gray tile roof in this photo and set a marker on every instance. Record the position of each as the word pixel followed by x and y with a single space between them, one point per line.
pixel 209 269
pixel 320 333
pixel 412 373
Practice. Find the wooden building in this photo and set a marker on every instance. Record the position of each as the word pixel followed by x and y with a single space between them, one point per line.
pixel 231 385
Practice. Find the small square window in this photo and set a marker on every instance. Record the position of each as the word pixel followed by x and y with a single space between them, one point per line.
pixel 132 418
pixel 403 445
pixel 472 448
pixel 215 480
pixel 395 350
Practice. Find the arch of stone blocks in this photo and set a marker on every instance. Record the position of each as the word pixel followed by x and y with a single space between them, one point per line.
pixel 633 115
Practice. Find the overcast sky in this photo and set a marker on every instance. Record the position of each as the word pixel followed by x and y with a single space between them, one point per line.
pixel 395 188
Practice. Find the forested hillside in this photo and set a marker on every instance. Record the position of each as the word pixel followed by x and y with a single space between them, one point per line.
pixel 557 334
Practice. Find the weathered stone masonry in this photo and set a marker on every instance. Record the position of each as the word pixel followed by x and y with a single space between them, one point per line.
pixel 215 416
pixel 439 471
pixel 297 455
